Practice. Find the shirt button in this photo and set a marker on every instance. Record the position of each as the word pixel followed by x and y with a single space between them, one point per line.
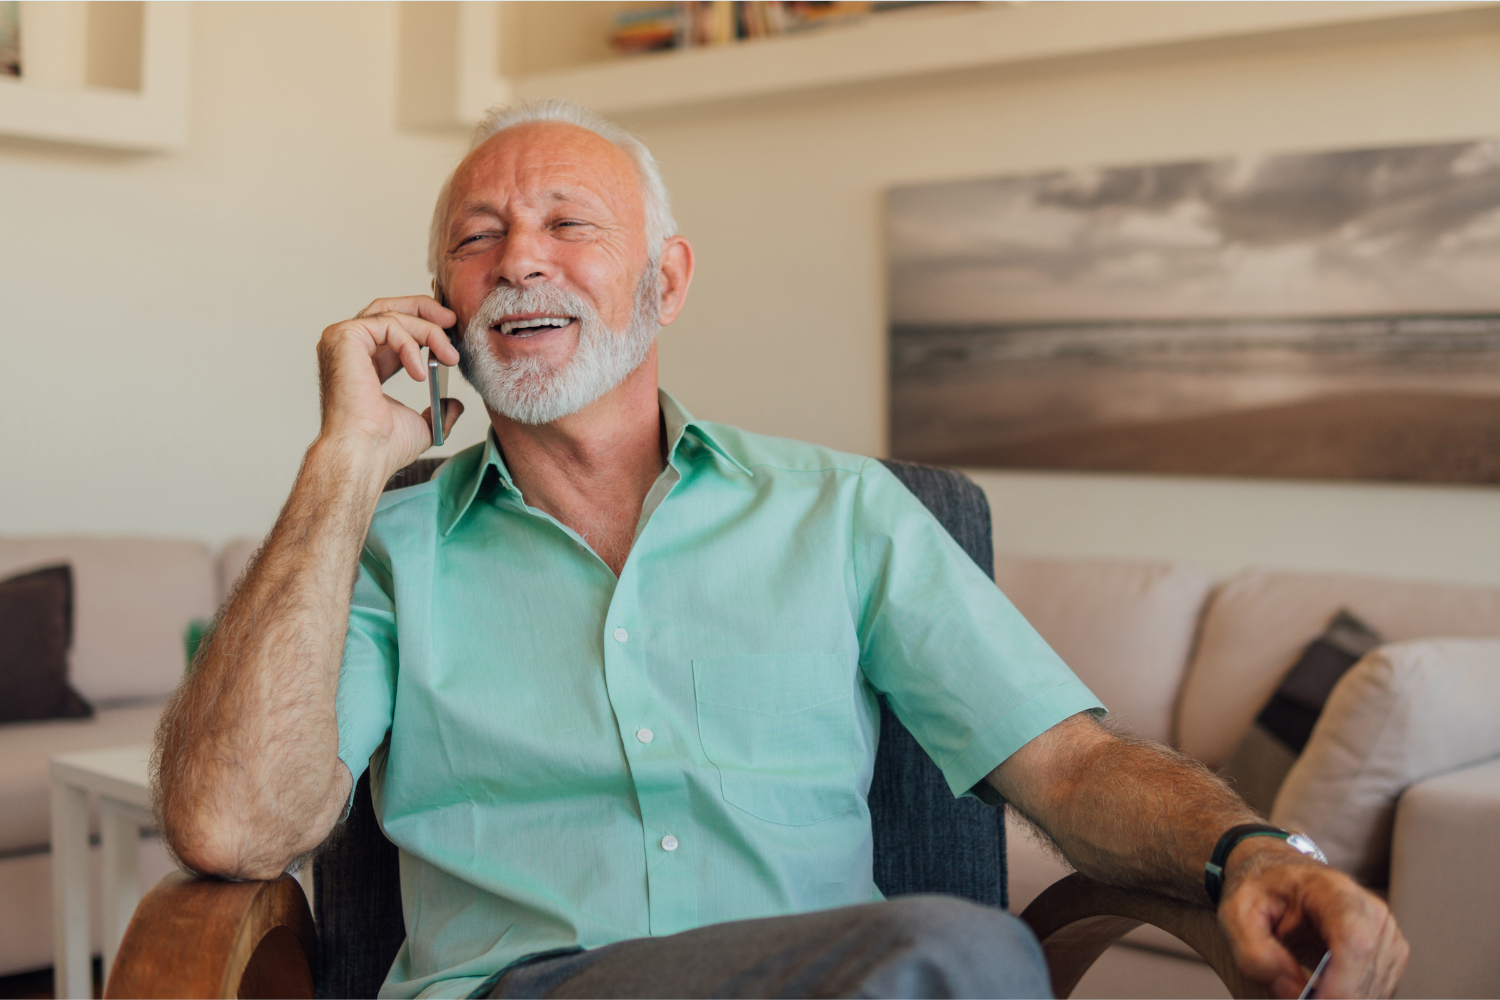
pixel 621 635
pixel 669 843
pixel 645 735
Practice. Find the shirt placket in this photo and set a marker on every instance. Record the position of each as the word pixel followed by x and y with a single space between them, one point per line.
pixel 652 747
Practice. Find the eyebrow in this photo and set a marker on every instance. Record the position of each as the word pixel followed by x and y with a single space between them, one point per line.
pixel 471 208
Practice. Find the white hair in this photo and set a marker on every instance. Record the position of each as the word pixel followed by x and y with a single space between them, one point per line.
pixel 660 225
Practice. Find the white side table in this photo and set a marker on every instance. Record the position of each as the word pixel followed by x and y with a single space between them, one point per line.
pixel 119 777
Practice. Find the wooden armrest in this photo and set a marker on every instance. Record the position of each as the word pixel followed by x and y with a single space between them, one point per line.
pixel 1077 918
pixel 200 937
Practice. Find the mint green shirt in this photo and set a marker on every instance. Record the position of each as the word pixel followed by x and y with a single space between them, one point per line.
pixel 567 759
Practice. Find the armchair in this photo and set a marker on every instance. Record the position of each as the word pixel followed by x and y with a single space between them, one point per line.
pixel 196 937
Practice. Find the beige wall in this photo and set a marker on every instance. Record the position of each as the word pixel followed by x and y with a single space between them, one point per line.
pixel 159 311
pixel 180 295
pixel 785 331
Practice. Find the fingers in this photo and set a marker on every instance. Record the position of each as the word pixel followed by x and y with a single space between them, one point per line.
pixel 1251 919
pixel 1362 936
pixel 1396 952
pixel 1372 967
pixel 394 340
pixel 355 358
pixel 424 306
pixel 1278 918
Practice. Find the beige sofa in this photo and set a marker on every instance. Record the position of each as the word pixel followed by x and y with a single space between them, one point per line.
pixel 1177 656
pixel 1185 660
pixel 133 599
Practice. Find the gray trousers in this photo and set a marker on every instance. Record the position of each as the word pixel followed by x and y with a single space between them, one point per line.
pixel 914 946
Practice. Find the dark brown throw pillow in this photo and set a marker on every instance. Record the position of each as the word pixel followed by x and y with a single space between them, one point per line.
pixel 36 631
pixel 1260 763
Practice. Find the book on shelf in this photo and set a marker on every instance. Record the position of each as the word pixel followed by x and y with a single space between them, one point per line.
pixel 696 23
pixel 10 38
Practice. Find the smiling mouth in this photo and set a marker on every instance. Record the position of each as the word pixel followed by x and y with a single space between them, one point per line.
pixel 533 326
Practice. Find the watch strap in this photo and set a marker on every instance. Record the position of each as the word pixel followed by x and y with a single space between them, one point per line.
pixel 1213 872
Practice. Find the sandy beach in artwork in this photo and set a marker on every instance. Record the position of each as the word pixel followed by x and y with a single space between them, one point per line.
pixel 1402 398
pixel 1324 315
pixel 1411 437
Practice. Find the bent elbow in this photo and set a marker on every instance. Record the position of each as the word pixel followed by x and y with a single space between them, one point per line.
pixel 214 851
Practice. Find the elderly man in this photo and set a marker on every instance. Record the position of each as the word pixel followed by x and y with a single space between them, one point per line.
pixel 614 671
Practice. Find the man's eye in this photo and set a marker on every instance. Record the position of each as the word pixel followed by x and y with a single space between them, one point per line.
pixel 471 239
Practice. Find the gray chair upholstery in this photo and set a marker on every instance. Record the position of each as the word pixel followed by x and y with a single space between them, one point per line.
pixel 925 840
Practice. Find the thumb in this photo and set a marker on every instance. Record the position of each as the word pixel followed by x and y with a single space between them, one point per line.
pixel 1262 958
pixel 452 410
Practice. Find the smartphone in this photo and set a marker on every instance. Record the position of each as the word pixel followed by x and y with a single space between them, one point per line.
pixel 437 387
pixel 437 374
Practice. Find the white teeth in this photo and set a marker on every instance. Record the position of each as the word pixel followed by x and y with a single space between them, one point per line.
pixel 511 326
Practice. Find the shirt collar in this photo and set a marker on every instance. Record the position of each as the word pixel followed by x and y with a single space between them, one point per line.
pixel 459 490
pixel 679 421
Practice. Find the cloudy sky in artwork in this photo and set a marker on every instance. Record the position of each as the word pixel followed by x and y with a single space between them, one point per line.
pixel 1367 232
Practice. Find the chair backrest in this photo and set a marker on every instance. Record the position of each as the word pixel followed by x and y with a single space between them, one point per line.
pixel 925 840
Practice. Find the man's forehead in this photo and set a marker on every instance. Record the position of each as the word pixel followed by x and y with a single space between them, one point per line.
pixel 546 161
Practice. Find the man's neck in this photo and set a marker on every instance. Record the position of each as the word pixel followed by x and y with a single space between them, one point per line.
pixel 592 469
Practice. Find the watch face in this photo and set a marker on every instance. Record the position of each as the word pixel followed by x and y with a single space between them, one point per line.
pixel 1303 843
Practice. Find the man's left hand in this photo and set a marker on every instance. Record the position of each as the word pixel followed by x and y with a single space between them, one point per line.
pixel 1279 906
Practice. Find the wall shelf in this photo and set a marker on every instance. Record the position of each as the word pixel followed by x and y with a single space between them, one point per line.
pixel 458 66
pixel 142 102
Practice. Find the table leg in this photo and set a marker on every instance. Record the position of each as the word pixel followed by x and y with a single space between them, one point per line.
pixel 120 838
pixel 70 892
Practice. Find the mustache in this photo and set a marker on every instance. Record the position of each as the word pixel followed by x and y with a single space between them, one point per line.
pixel 505 300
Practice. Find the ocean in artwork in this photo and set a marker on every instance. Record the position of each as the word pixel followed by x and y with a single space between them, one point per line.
pixel 1326 315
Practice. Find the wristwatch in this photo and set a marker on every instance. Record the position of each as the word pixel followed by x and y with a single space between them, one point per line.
pixel 1213 872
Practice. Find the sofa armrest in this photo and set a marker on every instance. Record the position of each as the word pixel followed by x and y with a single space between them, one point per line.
pixel 1445 879
pixel 1076 919
pixel 200 937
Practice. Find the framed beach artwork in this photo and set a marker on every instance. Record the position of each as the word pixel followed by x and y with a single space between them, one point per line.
pixel 1329 315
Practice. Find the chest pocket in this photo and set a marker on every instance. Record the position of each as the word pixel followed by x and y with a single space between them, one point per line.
pixel 781 731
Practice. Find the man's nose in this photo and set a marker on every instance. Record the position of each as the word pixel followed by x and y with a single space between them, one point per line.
pixel 523 260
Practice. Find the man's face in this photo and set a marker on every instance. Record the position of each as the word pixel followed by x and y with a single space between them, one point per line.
pixel 545 204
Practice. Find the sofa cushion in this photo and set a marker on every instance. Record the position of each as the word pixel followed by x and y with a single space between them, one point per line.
pixel 1126 628
pixel 1406 712
pixel 25 779
pixel 1257 621
pixel 36 630
pixel 133 597
pixel 1259 765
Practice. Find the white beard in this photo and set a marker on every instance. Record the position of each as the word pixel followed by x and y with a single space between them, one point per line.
pixel 534 391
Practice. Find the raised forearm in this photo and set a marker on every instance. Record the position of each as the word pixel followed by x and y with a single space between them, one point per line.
pixel 248 774
pixel 1123 811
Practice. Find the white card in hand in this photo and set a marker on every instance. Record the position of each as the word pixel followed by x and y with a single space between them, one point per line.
pixel 1312 980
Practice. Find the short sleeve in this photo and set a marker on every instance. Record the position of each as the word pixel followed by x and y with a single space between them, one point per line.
pixel 367 678
pixel 962 669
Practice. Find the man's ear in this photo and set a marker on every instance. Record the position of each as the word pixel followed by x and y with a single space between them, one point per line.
pixel 676 275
